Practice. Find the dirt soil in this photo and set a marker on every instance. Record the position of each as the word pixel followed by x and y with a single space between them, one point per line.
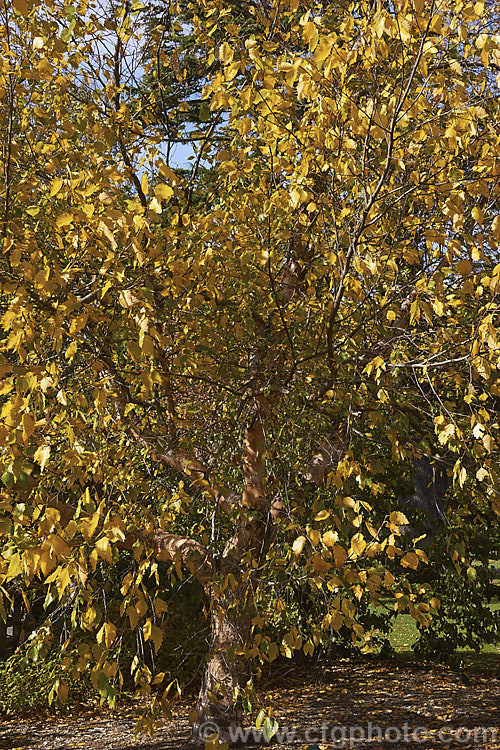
pixel 362 705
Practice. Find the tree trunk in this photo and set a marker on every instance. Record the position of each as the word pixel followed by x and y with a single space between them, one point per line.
pixel 227 671
pixel 3 640
pixel 17 622
pixel 228 667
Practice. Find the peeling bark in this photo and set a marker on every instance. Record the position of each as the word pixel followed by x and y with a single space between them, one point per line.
pixel 194 556
pixel 228 667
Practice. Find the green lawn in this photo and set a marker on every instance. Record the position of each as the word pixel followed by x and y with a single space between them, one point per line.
pixel 405 633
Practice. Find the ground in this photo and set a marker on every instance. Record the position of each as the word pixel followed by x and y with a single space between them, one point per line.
pixel 353 704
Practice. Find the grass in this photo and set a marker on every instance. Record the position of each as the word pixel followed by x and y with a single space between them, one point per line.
pixel 405 633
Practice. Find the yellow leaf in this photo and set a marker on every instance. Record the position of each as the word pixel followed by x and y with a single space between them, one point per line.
pixel 145 184
pixel 55 186
pixel 421 555
pixel 322 515
pixel 339 555
pixel 146 629
pixel 308 648
pixel 46 383
pixel 110 631
pixel 445 434
pixel 89 525
pixel 478 431
pixel 478 214
pixel 15 566
pixel 82 574
pixel 410 560
pixel 337 621
pixel 89 617
pixel 107 634
pixel 133 616
pixel 160 606
pixel 155 206
pixel 298 545
pixel 323 49
pixel 47 563
pixel 358 543
pixel 314 535
pixel 62 691
pixel 134 350
pixel 349 502
pixel 21 6
pixel 398 518
pixel 156 636
pixel 42 455
pixel 225 53
pixel 488 443
pixel 126 298
pixel 320 565
pixel 28 426
pixel 103 548
pixel 168 173
pixel 163 192
pixel 294 198
pixel 78 323
pixel 62 581
pixel 310 30
pixel 115 534
pixel 329 538
pixel 376 363
pixel 378 25
pixel 71 350
pixel 106 231
pixel 389 579
pixel 57 545
pixel 64 220
pixel 464 267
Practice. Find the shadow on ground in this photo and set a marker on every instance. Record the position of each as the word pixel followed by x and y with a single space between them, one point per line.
pixel 362 705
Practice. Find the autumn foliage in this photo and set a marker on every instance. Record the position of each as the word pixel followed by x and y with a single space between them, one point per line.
pixel 230 371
